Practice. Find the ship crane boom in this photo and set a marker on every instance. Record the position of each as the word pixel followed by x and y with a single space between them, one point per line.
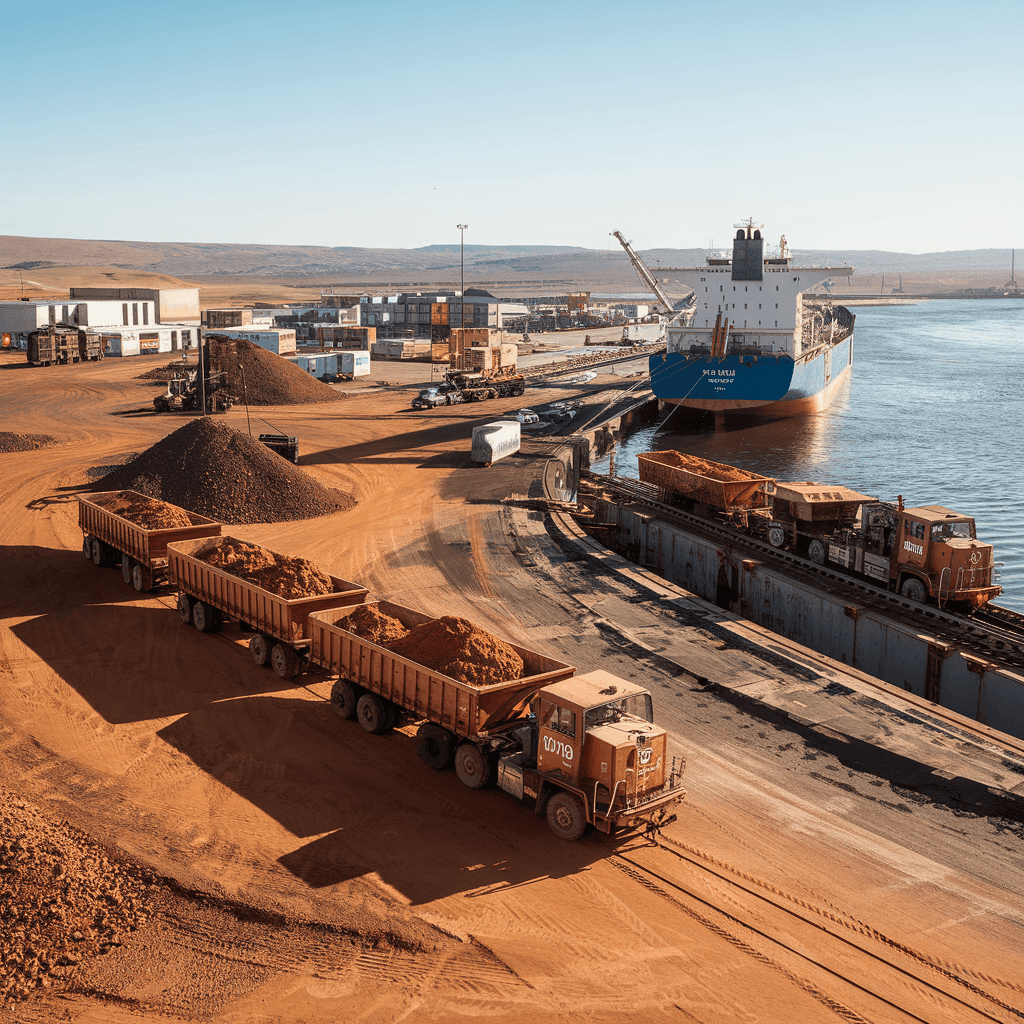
pixel 644 274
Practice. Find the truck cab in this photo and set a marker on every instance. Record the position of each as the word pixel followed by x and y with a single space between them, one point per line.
pixel 937 555
pixel 594 756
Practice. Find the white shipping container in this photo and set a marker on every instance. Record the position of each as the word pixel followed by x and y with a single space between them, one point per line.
pixel 494 441
pixel 355 363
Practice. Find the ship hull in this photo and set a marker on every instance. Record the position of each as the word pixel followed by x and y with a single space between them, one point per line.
pixel 771 386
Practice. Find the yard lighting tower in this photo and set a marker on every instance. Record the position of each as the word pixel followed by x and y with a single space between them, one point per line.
pixel 462 274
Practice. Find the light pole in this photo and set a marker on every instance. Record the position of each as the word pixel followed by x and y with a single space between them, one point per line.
pixel 462 285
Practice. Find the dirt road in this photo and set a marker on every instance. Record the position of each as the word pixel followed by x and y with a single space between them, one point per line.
pixel 312 872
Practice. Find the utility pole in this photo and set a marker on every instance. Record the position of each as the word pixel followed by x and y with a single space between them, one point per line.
pixel 462 285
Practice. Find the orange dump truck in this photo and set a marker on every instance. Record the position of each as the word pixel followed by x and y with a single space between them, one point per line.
pixel 207 595
pixel 110 538
pixel 580 749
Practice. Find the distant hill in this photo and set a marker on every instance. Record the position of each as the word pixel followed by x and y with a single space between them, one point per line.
pixel 505 267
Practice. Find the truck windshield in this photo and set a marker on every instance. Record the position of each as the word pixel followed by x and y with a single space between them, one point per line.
pixel 941 532
pixel 637 706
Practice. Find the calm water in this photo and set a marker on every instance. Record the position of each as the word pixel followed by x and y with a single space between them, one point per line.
pixel 933 410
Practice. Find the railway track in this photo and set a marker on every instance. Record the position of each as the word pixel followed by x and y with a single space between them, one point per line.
pixel 852 968
pixel 991 632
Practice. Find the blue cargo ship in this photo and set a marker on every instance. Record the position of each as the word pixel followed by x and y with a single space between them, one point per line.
pixel 749 343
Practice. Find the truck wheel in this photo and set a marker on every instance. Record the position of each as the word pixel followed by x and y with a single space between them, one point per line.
pixel 343 699
pixel 371 713
pixel 284 661
pixel 99 551
pixel 126 567
pixel 184 608
pixel 913 590
pixel 816 552
pixel 204 617
pixel 471 766
pixel 434 745
pixel 259 649
pixel 566 817
pixel 87 547
pixel 776 535
pixel 142 578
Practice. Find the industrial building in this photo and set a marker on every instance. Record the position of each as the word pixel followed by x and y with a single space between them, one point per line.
pixel 173 305
pixel 433 314
pixel 18 319
pixel 132 341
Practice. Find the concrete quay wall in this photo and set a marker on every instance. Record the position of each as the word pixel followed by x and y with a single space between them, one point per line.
pixel 867 640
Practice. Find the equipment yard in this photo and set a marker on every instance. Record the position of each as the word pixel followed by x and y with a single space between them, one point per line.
pixel 185 835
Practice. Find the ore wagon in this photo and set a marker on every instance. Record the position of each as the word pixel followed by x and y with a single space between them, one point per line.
pixel 113 538
pixel 703 482
pixel 207 595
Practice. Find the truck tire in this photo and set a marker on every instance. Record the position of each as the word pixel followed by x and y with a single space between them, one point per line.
pixel 126 567
pixel 343 699
pixel 434 745
pixel 99 551
pixel 285 661
pixel 87 547
pixel 472 766
pixel 371 713
pixel 913 590
pixel 566 817
pixel 142 578
pixel 185 609
pixel 816 552
pixel 776 535
pixel 259 649
pixel 204 617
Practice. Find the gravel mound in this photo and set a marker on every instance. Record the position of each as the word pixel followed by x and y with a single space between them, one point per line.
pixel 63 899
pixel 284 575
pixel 216 471
pixel 24 442
pixel 373 625
pixel 269 379
pixel 149 513
pixel 167 372
pixel 460 650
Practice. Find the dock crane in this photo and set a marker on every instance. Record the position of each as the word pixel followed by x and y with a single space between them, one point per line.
pixel 645 275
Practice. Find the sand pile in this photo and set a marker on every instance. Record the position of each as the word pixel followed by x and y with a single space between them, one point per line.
pixel 269 379
pixel 373 625
pixel 149 513
pixel 168 372
pixel 461 650
pixel 63 899
pixel 284 575
pixel 219 472
pixel 24 442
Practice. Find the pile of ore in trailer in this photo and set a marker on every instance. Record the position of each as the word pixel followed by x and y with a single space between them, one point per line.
pixel 149 513
pixel 224 474
pixel 450 645
pixel 285 575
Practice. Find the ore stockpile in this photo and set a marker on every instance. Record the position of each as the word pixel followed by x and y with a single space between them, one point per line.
pixel 216 471
pixel 259 377
pixel 10 442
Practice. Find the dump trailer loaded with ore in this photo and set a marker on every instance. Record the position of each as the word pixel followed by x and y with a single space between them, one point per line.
pixel 930 553
pixel 581 749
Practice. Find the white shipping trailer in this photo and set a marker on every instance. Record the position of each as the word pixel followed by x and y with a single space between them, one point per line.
pixel 494 441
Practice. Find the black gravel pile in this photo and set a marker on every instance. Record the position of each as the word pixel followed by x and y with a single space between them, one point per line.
pixel 269 379
pixel 63 900
pixel 216 471
pixel 24 442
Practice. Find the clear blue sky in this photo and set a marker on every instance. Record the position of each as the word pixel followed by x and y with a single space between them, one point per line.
pixel 891 126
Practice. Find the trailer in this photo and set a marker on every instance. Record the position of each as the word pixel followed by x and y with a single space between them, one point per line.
pixel 60 344
pixel 109 538
pixel 208 596
pixel 577 749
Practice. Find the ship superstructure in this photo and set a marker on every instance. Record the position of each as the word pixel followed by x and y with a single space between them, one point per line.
pixel 750 343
